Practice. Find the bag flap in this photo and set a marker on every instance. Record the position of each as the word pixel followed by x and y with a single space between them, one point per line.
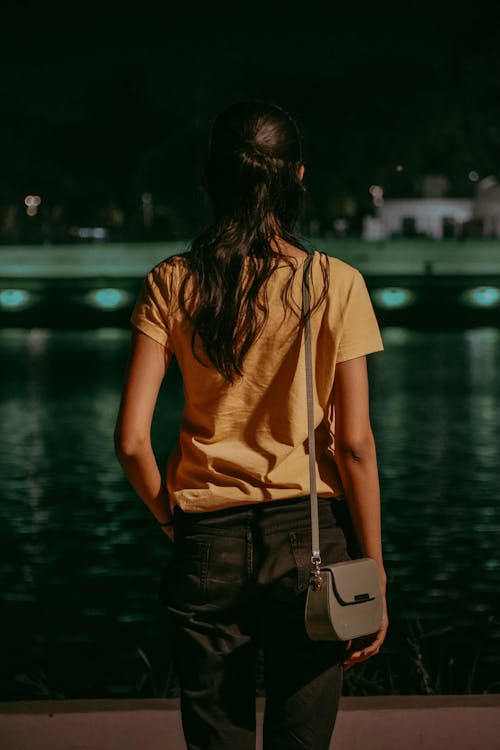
pixel 355 581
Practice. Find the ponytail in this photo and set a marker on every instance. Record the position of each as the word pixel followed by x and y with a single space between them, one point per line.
pixel 253 182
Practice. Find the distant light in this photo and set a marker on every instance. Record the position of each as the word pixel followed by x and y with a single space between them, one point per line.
pixel 488 182
pixel 109 333
pixel 473 176
pixel 14 299
pixel 393 298
pixel 92 233
pixel 397 335
pixel 108 298
pixel 341 225
pixel 399 167
pixel 32 200
pixel 377 193
pixel 482 296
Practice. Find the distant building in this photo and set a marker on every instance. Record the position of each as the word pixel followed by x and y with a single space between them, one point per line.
pixel 487 207
pixel 430 217
pixel 437 216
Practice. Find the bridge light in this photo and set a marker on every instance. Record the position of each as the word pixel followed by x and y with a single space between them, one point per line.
pixel 14 299
pixel 108 298
pixel 482 296
pixel 393 298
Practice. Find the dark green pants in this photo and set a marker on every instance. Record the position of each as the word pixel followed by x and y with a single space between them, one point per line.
pixel 237 583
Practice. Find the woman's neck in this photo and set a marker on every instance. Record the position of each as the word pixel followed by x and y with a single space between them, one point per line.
pixel 279 245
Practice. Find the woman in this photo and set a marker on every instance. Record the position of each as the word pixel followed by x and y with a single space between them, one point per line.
pixel 235 500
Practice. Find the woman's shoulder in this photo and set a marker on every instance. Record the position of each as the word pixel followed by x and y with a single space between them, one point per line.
pixel 340 271
pixel 169 268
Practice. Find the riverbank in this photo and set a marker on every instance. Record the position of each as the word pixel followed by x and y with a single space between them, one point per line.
pixel 421 284
pixel 403 257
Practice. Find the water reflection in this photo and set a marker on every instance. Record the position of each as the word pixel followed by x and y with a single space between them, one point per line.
pixel 82 558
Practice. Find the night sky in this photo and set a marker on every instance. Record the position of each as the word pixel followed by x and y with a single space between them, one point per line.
pixel 103 102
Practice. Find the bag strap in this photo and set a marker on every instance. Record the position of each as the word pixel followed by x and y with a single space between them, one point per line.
pixel 306 310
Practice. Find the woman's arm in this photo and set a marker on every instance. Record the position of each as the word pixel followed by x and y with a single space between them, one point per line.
pixel 147 365
pixel 357 464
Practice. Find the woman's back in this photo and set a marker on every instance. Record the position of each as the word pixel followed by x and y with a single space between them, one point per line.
pixel 236 501
pixel 246 441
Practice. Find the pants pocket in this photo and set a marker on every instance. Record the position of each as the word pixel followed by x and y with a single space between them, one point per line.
pixel 300 543
pixel 333 548
pixel 184 581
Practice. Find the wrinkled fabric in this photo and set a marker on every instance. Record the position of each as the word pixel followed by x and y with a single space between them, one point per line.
pixel 235 588
pixel 247 442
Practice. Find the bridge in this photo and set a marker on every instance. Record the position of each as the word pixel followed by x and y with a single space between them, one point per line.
pixel 424 284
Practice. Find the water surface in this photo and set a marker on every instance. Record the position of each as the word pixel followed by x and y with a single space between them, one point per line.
pixel 81 556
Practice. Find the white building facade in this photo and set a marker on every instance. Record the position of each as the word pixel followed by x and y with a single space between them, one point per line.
pixel 436 216
pixel 487 208
pixel 432 217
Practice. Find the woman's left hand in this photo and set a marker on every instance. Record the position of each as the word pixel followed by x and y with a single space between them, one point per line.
pixel 361 649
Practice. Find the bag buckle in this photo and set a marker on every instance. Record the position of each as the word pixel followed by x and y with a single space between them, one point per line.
pixel 316 580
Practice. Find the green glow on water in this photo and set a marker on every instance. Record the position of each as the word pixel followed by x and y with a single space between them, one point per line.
pixel 397 335
pixel 108 298
pixel 393 298
pixel 14 299
pixel 482 296
pixel 82 558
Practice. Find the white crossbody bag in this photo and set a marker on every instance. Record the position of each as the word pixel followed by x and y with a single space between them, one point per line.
pixel 344 599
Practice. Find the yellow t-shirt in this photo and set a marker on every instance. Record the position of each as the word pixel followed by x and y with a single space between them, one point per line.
pixel 247 442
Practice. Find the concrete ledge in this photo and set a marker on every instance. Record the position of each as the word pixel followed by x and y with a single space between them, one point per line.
pixel 461 722
pixel 132 260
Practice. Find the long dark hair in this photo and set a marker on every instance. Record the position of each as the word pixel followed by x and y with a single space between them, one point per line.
pixel 252 179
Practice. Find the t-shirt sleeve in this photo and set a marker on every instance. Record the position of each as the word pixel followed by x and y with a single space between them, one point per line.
pixel 150 312
pixel 360 330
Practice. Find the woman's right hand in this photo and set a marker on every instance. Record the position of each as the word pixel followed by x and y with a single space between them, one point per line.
pixel 169 531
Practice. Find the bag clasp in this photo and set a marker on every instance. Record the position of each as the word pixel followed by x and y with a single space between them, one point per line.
pixel 316 580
